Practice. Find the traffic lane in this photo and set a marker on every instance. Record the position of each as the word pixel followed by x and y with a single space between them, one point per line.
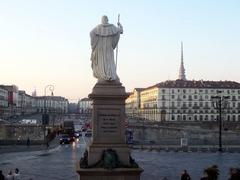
pixel 46 165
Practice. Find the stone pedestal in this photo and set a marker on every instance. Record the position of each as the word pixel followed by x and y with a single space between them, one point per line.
pixel 108 123
pixel 104 174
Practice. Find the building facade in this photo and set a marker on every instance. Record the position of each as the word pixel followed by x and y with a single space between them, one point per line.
pixel 26 104
pixel 85 106
pixel 133 101
pixel 183 100
pixel 14 102
pixel 11 109
pixel 51 104
pixel 3 102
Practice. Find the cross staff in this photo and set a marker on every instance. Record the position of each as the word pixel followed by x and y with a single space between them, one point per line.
pixel 117 44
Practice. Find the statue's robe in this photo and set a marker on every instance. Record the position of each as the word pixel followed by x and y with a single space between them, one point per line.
pixel 104 39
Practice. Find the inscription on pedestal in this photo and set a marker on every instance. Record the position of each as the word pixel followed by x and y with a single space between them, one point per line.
pixel 108 121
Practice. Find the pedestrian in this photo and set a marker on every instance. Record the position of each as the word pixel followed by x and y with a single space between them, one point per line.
pixel 234 174
pixel 47 144
pixel 10 176
pixel 185 175
pixel 2 177
pixel 211 173
pixel 16 174
pixel 28 142
pixel 205 175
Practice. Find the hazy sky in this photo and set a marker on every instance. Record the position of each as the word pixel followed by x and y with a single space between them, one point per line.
pixel 47 42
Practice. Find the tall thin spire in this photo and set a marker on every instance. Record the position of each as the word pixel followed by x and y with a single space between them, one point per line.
pixel 182 75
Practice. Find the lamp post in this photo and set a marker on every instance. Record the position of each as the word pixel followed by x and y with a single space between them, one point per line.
pixel 45 117
pixel 220 103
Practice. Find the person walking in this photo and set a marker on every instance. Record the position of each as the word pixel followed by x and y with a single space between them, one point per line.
pixel 185 175
pixel 10 176
pixel 2 177
pixel 16 174
pixel 28 142
pixel 211 173
pixel 234 174
pixel 205 175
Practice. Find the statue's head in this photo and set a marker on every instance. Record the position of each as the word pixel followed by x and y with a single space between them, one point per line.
pixel 104 19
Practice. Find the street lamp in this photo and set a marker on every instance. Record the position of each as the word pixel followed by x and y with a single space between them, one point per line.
pixel 45 116
pixel 220 103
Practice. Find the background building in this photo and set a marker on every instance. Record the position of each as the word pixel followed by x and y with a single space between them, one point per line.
pixel 52 104
pixel 184 100
pixel 187 101
pixel 133 101
pixel 12 90
pixel 3 102
pixel 14 102
pixel 85 106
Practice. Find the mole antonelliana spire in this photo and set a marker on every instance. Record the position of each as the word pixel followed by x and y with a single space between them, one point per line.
pixel 182 75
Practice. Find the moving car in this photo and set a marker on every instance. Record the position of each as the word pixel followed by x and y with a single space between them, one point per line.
pixel 68 128
pixel 65 139
pixel 78 134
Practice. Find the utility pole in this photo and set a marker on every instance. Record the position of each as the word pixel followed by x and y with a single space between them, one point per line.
pixel 219 103
pixel 45 116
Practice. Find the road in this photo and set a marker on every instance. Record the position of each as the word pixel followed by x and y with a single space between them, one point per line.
pixel 59 163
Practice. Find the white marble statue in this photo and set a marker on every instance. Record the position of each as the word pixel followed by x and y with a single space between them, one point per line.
pixel 104 39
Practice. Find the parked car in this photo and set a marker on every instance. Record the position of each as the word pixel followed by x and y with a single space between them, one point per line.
pixel 88 133
pixel 65 139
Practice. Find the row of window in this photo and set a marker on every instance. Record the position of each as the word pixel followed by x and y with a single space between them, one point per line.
pixel 204 118
pixel 196 97
pixel 200 104
pixel 204 111
pixel 3 103
pixel 181 111
pixel 3 91
pixel 180 104
pixel 202 91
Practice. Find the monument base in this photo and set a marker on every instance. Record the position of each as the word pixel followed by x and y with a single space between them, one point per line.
pixel 95 151
pixel 105 174
pixel 108 156
pixel 108 122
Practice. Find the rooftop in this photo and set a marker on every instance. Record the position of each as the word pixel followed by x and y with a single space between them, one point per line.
pixel 197 84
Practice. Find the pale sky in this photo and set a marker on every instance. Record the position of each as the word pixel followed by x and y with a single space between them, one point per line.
pixel 47 42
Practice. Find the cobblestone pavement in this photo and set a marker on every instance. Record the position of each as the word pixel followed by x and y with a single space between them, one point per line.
pixel 60 163
pixel 170 164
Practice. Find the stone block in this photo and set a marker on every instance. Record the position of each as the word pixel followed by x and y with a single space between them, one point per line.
pixel 105 174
